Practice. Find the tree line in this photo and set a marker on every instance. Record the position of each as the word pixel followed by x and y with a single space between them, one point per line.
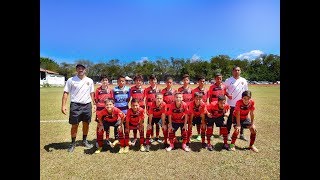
pixel 263 68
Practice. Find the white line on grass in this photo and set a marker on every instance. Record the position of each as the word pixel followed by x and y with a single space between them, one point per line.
pixel 52 121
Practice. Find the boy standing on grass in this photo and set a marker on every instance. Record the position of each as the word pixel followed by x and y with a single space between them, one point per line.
pixel 134 120
pixel 243 116
pixel 150 94
pixel 110 116
pixel 137 92
pixel 121 95
pixel 81 89
pixel 197 115
pixel 201 89
pixel 168 98
pixel 186 90
pixel 157 115
pixel 218 113
pixel 101 94
pixel 178 118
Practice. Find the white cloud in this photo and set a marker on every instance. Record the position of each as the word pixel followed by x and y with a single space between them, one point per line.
pixel 143 59
pixel 250 55
pixel 195 57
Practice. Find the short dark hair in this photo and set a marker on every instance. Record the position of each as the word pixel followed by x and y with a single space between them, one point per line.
pixel 217 74
pixel 198 94
pixel 201 77
pixel 152 76
pixel 109 100
pixel 103 77
pixel 121 76
pixel 134 100
pixel 138 76
pixel 185 76
pixel 221 97
pixel 246 93
pixel 169 78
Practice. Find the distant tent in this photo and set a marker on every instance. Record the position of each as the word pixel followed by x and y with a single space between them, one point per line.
pixel 127 78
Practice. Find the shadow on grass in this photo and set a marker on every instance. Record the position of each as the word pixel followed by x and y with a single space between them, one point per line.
pixel 105 147
pixel 64 145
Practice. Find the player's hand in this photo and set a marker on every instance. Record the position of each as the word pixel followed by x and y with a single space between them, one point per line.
pixel 149 127
pixel 225 120
pixel 164 127
pixel 237 128
pixel 94 108
pixel 100 127
pixel 209 115
pixel 253 127
pixel 120 128
pixel 64 110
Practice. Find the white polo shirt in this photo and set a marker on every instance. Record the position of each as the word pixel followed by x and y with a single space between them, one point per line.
pixel 79 89
pixel 235 87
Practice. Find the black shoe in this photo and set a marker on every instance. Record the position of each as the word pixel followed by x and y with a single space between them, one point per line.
pixel 204 145
pixel 86 144
pixel 71 147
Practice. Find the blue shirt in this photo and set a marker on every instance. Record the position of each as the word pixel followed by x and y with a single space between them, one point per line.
pixel 121 98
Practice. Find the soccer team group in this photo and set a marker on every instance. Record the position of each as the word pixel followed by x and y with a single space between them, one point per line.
pixel 223 104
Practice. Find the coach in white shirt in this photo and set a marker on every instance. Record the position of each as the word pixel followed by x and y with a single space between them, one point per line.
pixel 81 89
pixel 235 87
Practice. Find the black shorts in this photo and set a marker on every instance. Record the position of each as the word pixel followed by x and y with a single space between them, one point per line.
pixel 156 121
pixel 218 121
pixel 245 123
pixel 176 126
pixel 80 112
pixel 196 120
pixel 107 124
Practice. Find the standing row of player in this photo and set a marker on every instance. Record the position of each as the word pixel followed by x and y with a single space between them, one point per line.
pixel 170 109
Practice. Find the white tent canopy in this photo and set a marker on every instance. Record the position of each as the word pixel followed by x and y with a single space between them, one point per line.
pixel 128 78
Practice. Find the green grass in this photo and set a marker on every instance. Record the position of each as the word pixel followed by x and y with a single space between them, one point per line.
pixel 57 163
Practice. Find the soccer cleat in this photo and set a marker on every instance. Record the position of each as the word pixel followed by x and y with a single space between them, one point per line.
pixel 232 147
pixel 204 145
pixel 185 147
pixel 108 143
pixel 158 140
pixel 71 147
pixel 254 149
pixel 243 138
pixel 210 147
pixel 198 138
pixel 133 142
pixel 226 147
pixel 170 147
pixel 121 150
pixel 147 148
pixel 86 144
pixel 115 142
pixel 98 150
pixel 229 137
pixel 126 149
pixel 142 149
pixel 151 140
pixel 97 145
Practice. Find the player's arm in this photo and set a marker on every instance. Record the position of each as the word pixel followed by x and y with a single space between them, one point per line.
pixel 238 120
pixel 64 101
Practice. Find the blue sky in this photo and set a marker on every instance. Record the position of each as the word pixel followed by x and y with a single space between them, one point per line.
pixel 134 30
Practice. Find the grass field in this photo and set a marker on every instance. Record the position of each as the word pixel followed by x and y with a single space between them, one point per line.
pixel 57 163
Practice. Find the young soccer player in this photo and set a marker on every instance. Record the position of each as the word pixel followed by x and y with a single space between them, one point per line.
pixel 186 90
pixel 243 116
pixel 110 116
pixel 197 114
pixel 201 88
pixel 101 94
pixel 178 118
pixel 157 115
pixel 150 94
pixel 137 92
pixel 134 120
pixel 168 98
pixel 121 95
pixel 218 113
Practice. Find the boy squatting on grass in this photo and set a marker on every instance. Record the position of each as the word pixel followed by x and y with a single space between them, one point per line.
pixel 218 113
pixel 101 94
pixel 178 118
pixel 134 120
pixel 240 118
pixel 157 116
pixel 110 116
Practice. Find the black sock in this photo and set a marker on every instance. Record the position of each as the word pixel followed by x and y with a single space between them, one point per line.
pixel 73 140
pixel 84 137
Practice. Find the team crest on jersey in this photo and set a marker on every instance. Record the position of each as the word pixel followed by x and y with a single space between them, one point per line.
pixel 88 83
pixel 242 83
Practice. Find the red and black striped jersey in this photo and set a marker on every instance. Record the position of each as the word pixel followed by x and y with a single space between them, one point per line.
pixel 150 94
pixel 186 94
pixel 197 110
pixel 203 91
pixel 135 117
pixel 100 95
pixel 244 109
pixel 215 91
pixel 157 111
pixel 178 113
pixel 168 95
pixel 137 93
pixel 213 108
pixel 114 116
